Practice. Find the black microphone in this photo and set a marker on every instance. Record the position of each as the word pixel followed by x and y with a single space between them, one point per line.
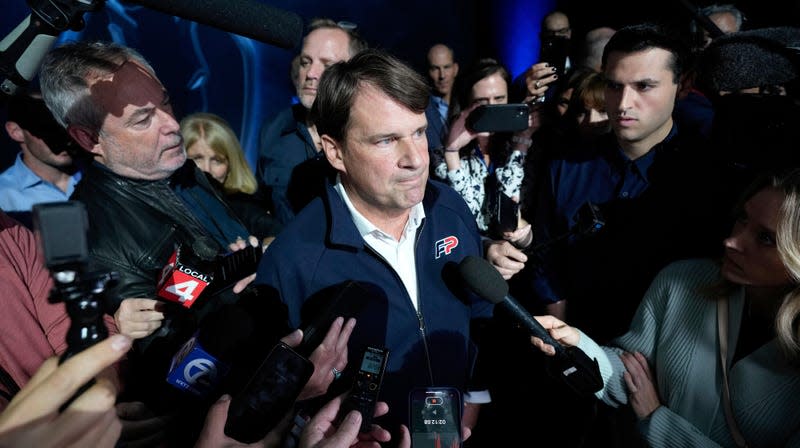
pixel 196 271
pixel 249 18
pixel 319 311
pixel 576 369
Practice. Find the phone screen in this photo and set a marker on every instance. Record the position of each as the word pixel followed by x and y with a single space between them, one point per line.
pixel 435 417
pixel 269 395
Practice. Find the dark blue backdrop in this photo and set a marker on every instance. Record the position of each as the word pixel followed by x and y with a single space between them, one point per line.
pixel 246 81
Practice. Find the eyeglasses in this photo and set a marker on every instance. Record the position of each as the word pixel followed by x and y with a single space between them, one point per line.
pixel 561 32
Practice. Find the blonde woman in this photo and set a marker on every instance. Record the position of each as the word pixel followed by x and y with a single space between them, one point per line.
pixel 669 367
pixel 213 146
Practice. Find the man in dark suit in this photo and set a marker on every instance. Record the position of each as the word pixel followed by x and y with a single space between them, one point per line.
pixel 442 70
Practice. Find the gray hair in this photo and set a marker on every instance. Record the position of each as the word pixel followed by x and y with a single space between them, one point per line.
pixel 707 11
pixel 66 72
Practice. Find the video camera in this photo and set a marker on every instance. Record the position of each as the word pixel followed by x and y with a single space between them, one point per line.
pixel 62 231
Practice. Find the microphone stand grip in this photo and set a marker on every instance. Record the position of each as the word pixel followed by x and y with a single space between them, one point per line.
pixel 22 50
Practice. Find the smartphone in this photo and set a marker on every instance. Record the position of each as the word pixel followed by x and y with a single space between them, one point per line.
pixel 499 118
pixel 554 51
pixel 269 395
pixel 505 214
pixel 435 417
pixel 366 386
pixel 234 266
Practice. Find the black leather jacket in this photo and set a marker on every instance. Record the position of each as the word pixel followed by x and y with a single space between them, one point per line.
pixel 135 226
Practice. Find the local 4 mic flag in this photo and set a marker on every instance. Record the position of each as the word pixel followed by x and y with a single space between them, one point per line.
pixel 184 278
pixel 195 370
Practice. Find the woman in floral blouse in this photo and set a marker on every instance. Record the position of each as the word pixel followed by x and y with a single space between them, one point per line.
pixel 479 165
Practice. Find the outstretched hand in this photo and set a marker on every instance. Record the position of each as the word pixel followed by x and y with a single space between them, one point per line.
pixel 240 244
pixel 561 332
pixel 331 353
pixel 33 417
pixel 459 135
pixel 139 318
pixel 213 433
pixel 321 431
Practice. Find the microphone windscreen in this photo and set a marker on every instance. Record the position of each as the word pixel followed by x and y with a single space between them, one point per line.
pixel 249 18
pixel 204 248
pixel 483 279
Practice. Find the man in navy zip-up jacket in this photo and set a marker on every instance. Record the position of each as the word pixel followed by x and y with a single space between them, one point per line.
pixel 384 223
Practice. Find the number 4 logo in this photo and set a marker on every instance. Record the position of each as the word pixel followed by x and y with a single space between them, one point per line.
pixel 184 290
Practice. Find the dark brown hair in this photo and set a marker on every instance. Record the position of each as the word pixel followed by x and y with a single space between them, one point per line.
pixel 341 82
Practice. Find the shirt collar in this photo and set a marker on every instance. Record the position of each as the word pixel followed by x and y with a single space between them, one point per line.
pixel 642 164
pixel 441 106
pixel 27 178
pixel 365 227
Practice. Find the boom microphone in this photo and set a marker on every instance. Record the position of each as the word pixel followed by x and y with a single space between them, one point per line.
pixel 576 369
pixel 22 50
pixel 249 18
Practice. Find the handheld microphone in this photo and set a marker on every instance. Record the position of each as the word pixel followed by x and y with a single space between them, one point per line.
pixel 572 365
pixel 191 271
pixel 248 18
pixel 347 300
pixel 184 277
pixel 202 363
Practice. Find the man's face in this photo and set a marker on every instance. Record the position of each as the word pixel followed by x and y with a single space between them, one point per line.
pixel 557 25
pixel 640 96
pixel 383 159
pixel 139 138
pixel 492 89
pixel 321 48
pixel 441 69
pixel 39 149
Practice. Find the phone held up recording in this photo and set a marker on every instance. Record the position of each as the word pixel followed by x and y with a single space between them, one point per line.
pixel 554 51
pixel 435 417
pixel 499 118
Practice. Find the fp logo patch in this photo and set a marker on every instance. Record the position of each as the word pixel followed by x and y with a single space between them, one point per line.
pixel 445 246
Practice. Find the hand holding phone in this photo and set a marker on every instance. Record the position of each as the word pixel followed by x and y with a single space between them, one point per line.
pixel 367 384
pixel 554 51
pixel 269 395
pixel 435 417
pixel 498 118
pixel 504 214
